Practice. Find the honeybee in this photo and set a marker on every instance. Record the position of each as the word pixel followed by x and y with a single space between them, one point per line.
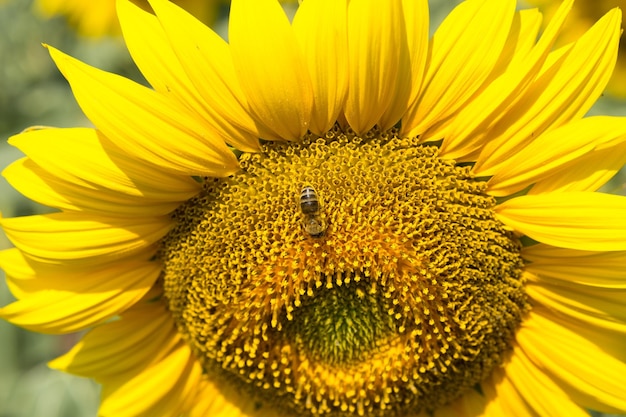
pixel 311 211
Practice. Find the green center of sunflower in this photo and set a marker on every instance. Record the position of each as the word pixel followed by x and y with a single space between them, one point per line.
pixel 345 275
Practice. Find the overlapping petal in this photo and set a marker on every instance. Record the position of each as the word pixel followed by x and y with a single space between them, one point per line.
pixel 474 123
pixel 88 299
pixel 562 266
pixel 558 151
pixel 193 64
pixel 573 362
pixel 61 237
pixel 271 67
pixel 576 220
pixel 378 63
pixel 564 91
pixel 81 170
pixel 325 50
pixel 145 123
pixel 464 52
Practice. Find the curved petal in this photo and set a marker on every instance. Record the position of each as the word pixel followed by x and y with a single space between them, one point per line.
pixel 539 391
pixel 577 220
pixel 86 158
pixel 325 50
pixel 142 335
pixel 95 298
pixel 165 388
pixel 144 123
pixel 182 57
pixel 26 276
pixel 562 266
pixel 599 308
pixel 416 19
pixel 464 52
pixel 270 67
pixel 577 365
pixel 557 149
pixel 378 62
pixel 563 91
pixel 503 398
pixel 69 236
pixel 472 126
pixel 588 173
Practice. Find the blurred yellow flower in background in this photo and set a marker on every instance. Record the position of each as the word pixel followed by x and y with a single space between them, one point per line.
pixel 96 18
pixel 333 217
pixel 584 14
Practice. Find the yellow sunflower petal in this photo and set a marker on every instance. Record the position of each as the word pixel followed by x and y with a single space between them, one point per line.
pixel 545 397
pixel 576 220
pixel 26 276
pixel 563 91
pixel 378 62
pixel 573 362
pixel 472 126
pixel 144 123
pixel 100 296
pixel 417 23
pixel 223 402
pixel 86 158
pixel 143 334
pixel 566 266
pixel 194 64
pixel 165 388
pixel 69 236
pixel 557 149
pixel 589 173
pixel 599 308
pixel 465 49
pixel 271 67
pixel 325 49
pixel 502 397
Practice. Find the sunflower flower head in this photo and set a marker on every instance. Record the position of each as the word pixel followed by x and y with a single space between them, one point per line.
pixel 335 216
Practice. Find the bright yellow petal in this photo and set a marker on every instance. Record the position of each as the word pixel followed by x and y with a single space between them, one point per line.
pixel 191 62
pixel 165 388
pixel 599 308
pixel 144 123
pixel 416 18
pixel 378 61
pixel 566 266
pixel 64 236
pixel 502 397
pixel 88 160
pixel 325 49
pixel 577 220
pixel 223 401
pixel 577 365
pixel 472 126
pixel 271 67
pixel 557 150
pixel 544 396
pixel 563 91
pixel 465 49
pixel 99 296
pixel 589 173
pixel 142 335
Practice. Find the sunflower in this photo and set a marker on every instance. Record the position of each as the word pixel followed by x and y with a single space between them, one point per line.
pixel 583 15
pixel 334 217
pixel 97 18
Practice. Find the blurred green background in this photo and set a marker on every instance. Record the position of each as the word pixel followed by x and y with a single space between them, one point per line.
pixel 32 92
